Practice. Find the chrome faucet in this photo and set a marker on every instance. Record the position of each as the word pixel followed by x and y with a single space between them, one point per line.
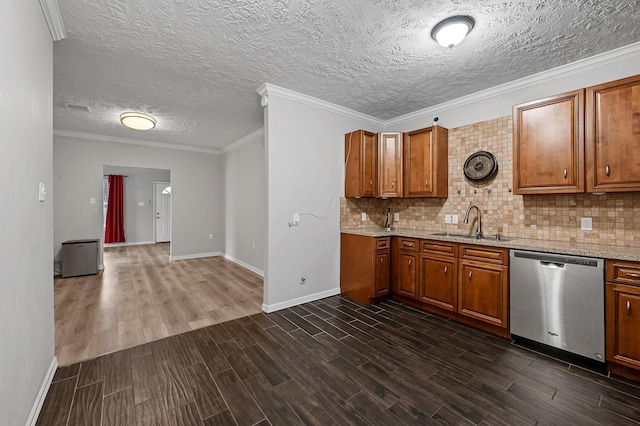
pixel 479 225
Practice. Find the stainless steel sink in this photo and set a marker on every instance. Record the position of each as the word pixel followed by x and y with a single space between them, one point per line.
pixel 473 237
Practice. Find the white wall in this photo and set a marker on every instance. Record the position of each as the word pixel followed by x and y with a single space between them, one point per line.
pixel 499 101
pixel 245 186
pixel 305 153
pixel 139 221
pixel 196 186
pixel 26 259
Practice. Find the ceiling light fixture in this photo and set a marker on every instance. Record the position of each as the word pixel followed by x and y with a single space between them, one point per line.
pixel 452 30
pixel 138 120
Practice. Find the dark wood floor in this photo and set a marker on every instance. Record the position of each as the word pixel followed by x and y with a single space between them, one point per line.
pixel 335 362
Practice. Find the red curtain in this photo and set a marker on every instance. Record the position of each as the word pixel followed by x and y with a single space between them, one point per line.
pixel 114 231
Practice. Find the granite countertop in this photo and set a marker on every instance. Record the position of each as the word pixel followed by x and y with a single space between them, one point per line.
pixel 559 247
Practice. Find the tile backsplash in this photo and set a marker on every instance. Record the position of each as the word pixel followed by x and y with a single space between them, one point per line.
pixel 616 217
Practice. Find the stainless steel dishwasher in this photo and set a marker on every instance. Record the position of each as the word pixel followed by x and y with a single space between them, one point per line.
pixel 558 300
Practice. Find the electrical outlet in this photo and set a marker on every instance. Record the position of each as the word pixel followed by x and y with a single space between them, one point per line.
pixel 253 246
pixel 364 217
pixel 303 281
pixel 454 219
pixel 211 236
pixel 586 224
pixel 396 217
pixel 447 218
pixel 92 200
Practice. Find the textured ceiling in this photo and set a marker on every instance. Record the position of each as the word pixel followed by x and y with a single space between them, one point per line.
pixel 196 64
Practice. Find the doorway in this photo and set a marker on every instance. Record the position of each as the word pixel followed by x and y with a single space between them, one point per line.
pixel 162 209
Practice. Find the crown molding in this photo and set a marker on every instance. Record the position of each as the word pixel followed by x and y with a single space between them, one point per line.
pixel 115 139
pixel 267 90
pixel 243 140
pixel 581 65
pixel 54 19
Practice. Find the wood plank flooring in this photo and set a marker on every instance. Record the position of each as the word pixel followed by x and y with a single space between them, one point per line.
pixel 334 362
pixel 141 296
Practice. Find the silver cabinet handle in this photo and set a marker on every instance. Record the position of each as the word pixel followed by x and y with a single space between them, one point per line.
pixel 628 307
pixel 470 273
pixel 445 269
pixel 426 183
pixel 565 173
pixel 607 170
pixel 410 260
pixel 393 183
pixel 370 183
pixel 381 259
pixel 634 275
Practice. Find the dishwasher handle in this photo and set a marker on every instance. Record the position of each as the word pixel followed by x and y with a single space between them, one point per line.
pixel 552 264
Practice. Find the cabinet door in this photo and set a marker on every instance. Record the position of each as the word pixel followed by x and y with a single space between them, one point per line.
pixel 483 292
pixel 390 165
pixel 426 163
pixel 623 323
pixel 613 136
pixel 407 274
pixel 548 145
pixel 360 150
pixel 438 282
pixel 383 269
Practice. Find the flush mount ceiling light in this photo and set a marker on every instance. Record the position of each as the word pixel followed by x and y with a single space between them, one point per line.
pixel 452 30
pixel 137 120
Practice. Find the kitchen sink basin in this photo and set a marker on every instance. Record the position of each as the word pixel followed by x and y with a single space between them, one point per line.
pixel 473 237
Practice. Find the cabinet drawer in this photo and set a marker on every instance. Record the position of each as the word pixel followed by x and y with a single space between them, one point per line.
pixel 622 272
pixel 383 243
pixel 495 255
pixel 438 248
pixel 411 244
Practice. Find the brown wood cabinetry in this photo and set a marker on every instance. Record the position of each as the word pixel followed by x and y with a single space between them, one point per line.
pixel 438 275
pixel 365 264
pixel 622 314
pixel 361 151
pixel 548 145
pixel 390 165
pixel 613 136
pixel 408 267
pixel 426 162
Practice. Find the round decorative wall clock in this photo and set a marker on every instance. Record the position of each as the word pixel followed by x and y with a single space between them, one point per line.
pixel 480 165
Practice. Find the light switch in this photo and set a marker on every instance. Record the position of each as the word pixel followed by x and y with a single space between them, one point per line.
pixel 396 217
pixel 364 217
pixel 586 224
pixel 454 219
pixel 41 192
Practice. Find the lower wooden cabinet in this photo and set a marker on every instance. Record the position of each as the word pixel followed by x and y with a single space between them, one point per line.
pixel 365 265
pixel 438 275
pixel 483 292
pixel 408 267
pixel 622 316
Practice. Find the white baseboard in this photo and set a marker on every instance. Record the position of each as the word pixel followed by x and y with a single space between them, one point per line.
pixel 245 265
pixel 300 300
pixel 134 243
pixel 42 393
pixel 196 256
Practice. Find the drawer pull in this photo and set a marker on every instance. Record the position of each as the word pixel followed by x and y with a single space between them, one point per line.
pixel 426 183
pixel 410 260
pixel 607 170
pixel 381 259
pixel 565 173
pixel 634 275
pixel 393 183
pixel 628 307
pixel 370 183
pixel 470 273
pixel 445 269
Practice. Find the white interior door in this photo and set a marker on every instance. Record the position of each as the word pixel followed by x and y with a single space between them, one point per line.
pixel 162 201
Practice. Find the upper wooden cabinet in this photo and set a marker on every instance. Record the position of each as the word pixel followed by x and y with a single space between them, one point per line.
pixel 360 151
pixel 390 165
pixel 613 136
pixel 426 159
pixel 548 145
